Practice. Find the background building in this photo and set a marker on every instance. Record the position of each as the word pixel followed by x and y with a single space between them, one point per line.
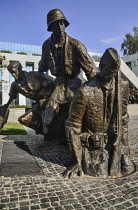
pixel 132 62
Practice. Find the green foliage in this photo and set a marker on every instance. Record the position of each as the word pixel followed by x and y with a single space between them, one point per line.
pixel 22 53
pixel 12 128
pixel 96 58
pixel 5 51
pixel 36 54
pixel 130 43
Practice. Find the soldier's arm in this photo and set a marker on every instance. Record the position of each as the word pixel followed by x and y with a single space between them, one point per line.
pixel 85 60
pixel 12 94
pixel 43 65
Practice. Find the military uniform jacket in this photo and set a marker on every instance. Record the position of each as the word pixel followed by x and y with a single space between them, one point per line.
pixel 92 107
pixel 67 60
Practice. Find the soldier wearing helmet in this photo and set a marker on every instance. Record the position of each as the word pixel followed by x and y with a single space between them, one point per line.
pixel 91 128
pixel 64 57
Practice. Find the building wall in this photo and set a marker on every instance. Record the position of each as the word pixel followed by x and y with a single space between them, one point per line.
pixel 132 62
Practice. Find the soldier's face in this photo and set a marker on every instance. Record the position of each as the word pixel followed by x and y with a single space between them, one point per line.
pixel 58 28
pixel 14 72
pixel 106 73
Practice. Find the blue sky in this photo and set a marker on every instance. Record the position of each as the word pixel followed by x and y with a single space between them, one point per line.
pixel 97 24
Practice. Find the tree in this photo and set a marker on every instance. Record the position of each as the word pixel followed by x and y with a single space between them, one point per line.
pixel 96 58
pixel 36 54
pixel 22 53
pixel 6 51
pixel 130 44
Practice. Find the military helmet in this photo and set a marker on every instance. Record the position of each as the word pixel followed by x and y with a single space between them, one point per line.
pixel 110 58
pixel 14 64
pixel 54 15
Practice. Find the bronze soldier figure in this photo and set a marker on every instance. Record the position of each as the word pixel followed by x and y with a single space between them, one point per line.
pixel 33 85
pixel 96 128
pixel 30 84
pixel 64 57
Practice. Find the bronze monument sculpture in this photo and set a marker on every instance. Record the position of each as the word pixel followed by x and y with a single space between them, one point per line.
pixel 35 86
pixel 91 116
pixel 96 129
pixel 64 57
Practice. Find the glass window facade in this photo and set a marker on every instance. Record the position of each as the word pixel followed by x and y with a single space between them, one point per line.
pixel 16 48
pixel 29 66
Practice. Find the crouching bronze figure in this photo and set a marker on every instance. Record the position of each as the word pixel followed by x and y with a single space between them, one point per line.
pixel 97 126
pixel 35 86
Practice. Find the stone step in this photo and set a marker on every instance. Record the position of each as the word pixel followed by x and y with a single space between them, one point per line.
pixel 15 113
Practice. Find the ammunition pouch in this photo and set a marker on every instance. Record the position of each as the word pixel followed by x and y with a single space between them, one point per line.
pixel 95 141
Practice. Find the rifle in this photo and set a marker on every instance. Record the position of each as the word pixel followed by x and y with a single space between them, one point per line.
pixel 116 158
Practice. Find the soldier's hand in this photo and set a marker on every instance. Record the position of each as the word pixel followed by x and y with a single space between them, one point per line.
pixel 74 170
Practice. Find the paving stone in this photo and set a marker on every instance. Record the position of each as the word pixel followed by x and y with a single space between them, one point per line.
pixel 42 195
pixel 45 205
pixel 50 208
pixel 68 207
pixel 33 196
pixel 59 208
pixel 2 193
pixel 62 197
pixel 44 200
pixel 120 207
pixel 101 200
pixel 24 203
pixel 11 205
pixel 24 208
pixel 3 206
pixel 135 201
pixel 35 207
pixel 55 204
pixel 54 199
pixel 77 206
pixel 128 204
pixel 14 209
pixel 23 198
pixel 105 205
pixel 34 201
pixel 5 200
pixel 96 205
pixel 13 199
